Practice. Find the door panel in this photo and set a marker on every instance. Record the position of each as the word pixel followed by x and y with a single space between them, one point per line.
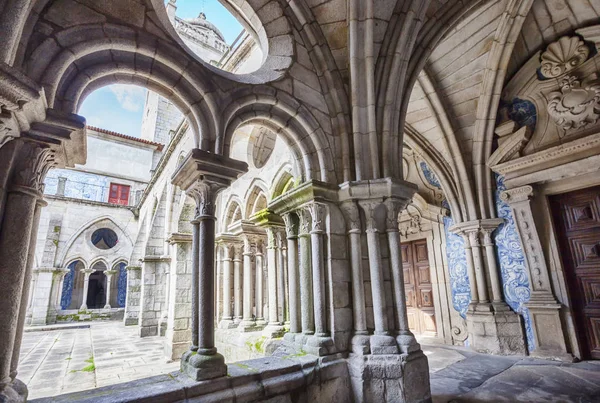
pixel 417 285
pixel 577 220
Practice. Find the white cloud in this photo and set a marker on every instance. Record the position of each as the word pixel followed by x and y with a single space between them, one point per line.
pixel 130 97
pixel 94 121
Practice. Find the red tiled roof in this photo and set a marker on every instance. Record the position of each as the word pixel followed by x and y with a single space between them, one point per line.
pixel 124 136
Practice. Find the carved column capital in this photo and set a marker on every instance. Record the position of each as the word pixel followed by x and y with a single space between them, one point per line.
pixel 370 207
pixel 523 193
pixel 318 212
pixel 352 216
pixel 291 226
pixel 394 206
pixel 205 193
pixel 305 221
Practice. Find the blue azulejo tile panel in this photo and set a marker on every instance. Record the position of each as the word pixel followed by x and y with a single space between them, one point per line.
pixel 457 268
pixel 67 290
pixel 515 282
pixel 429 175
pixel 122 285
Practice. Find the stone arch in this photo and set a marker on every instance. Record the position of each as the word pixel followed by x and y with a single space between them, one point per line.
pixel 282 114
pixel 233 212
pixel 256 197
pixel 87 54
pixel 76 258
pixel 281 182
pixel 101 260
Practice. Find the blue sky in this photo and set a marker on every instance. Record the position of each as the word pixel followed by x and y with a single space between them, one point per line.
pixel 120 107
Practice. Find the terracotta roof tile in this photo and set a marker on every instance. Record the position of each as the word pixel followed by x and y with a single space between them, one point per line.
pixel 124 136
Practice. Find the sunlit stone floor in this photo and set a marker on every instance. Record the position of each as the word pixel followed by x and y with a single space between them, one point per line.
pixel 53 363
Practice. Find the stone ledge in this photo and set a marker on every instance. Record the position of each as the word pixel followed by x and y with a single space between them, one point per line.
pixel 257 379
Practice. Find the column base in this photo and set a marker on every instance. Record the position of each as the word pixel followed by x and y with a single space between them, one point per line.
pixel 273 330
pixel 402 378
pixel 407 343
pixel 83 307
pixel 247 326
pixel 361 344
pixel 107 306
pixel 226 324
pixel 494 329
pixel 200 366
pixel 319 345
pixel 261 323
pixel 14 392
pixel 383 344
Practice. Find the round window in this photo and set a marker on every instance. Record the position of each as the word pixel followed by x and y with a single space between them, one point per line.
pixel 104 238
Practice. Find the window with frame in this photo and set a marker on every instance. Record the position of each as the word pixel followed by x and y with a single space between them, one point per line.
pixel 119 194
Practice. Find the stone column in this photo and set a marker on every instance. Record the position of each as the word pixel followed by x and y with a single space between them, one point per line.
pixel 291 228
pixel 86 282
pixel 16 233
pixel 109 275
pixel 381 342
pixel 544 309
pixel 360 339
pixel 58 277
pixel 202 175
pixel 306 292
pixel 237 284
pixel 480 278
pixel 227 319
pixel 259 298
pixel 274 327
pixel 318 212
pixel 248 323
pixel 281 308
pixel 493 272
pixel 195 274
pixel 62 184
pixel 406 340
pixel 133 296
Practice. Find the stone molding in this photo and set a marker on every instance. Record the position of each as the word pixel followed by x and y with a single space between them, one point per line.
pixel 178 237
pixel 577 103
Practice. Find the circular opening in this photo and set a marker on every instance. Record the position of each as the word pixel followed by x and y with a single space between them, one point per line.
pixel 104 238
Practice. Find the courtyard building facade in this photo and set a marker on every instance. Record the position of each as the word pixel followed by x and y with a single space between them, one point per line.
pixel 347 181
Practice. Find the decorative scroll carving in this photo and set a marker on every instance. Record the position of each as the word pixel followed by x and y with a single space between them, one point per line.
pixel 577 104
pixel 522 193
pixel 562 56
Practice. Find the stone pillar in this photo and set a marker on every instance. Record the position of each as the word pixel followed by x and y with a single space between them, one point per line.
pixel 18 226
pixel 544 309
pixel 248 323
pixel 259 299
pixel 86 282
pixel 281 307
pixel 291 228
pixel 405 338
pixel 306 299
pixel 274 327
pixel 237 284
pixel 493 271
pixel 202 175
pixel 109 275
pixel 318 213
pixel 58 276
pixel 360 338
pixel 132 299
pixel 480 277
pixel 62 184
pixel 227 319
pixel 381 342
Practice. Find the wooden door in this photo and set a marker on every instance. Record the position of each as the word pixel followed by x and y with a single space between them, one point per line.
pixel 417 285
pixel 577 223
pixel 119 194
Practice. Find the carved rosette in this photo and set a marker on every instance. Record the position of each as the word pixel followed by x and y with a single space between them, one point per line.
pixel 34 162
pixel 204 194
pixel 291 228
pixel 577 104
pixel 562 56
pixel 350 211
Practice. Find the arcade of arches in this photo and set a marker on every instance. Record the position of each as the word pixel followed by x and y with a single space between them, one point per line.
pixel 392 170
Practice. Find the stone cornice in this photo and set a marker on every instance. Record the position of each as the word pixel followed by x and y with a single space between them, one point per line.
pixel 466 227
pixel 154 258
pixel 246 227
pixel 376 189
pixel 312 190
pixel 200 165
pixel 178 237
pixel 519 194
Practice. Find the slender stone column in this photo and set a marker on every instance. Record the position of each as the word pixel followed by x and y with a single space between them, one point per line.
pixel 482 291
pixel 227 319
pixel 260 315
pixel 306 292
pixel 471 271
pixel 247 323
pixel 26 293
pixel 202 175
pixel 109 275
pixel 195 296
pixel 492 266
pixel 291 228
pixel 406 340
pixel 86 283
pixel 237 284
pixel 360 341
pixel 382 342
pixel 318 212
pixel 281 308
pixel 274 328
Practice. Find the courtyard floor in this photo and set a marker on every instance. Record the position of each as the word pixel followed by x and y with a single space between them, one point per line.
pixel 68 360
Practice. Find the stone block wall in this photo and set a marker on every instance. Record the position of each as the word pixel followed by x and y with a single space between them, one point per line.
pixel 153 301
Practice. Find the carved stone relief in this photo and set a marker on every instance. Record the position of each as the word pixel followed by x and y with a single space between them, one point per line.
pixel 562 56
pixel 577 103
